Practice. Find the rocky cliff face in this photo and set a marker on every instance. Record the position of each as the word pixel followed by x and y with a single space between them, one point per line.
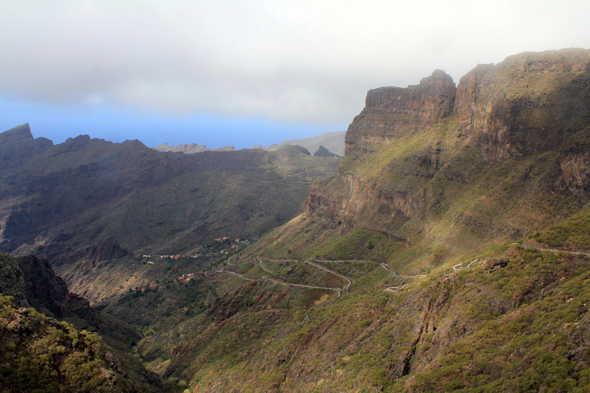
pixel 516 131
pixel 33 283
pixel 528 103
pixel 391 112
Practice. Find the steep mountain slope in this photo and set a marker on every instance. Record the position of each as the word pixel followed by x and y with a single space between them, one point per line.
pixel 38 350
pixel 58 201
pixel 444 170
pixel 516 322
pixel 43 355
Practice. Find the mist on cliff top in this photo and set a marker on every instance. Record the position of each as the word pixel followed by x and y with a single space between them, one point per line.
pixel 301 65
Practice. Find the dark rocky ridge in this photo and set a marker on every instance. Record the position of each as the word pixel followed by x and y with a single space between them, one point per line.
pixel 33 283
pixel 57 201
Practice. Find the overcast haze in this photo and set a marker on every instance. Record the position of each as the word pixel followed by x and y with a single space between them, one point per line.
pixel 246 72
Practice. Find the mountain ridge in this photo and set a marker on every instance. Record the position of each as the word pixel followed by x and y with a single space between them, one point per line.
pixel 57 200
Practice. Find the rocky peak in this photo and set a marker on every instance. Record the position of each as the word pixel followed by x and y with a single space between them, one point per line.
pixel 392 112
pixel 323 152
pixel 432 99
pixel 17 134
pixel 18 143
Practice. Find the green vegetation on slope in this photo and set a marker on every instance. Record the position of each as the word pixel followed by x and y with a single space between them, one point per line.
pixel 516 322
pixel 571 233
pixel 360 243
pixel 40 354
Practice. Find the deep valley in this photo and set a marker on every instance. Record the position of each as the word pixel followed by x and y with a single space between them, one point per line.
pixel 448 250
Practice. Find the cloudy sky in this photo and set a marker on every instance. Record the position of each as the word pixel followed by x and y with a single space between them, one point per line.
pixel 221 72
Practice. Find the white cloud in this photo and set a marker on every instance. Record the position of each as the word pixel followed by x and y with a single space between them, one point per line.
pixel 289 60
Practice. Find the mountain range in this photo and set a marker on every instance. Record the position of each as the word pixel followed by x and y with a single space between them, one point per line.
pixel 448 251
pixel 57 201
pixel 331 141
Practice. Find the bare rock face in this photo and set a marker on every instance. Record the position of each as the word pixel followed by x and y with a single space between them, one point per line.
pixel 45 291
pixel 356 201
pixel 526 104
pixel 393 111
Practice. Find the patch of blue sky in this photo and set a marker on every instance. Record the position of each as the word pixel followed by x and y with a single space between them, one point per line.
pixel 119 124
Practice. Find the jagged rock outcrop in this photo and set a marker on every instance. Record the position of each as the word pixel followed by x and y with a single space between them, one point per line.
pixel 191 148
pixel 323 152
pixel 333 141
pixel 17 144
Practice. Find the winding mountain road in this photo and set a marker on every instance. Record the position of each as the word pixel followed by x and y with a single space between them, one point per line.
pixel 341 260
pixel 461 267
pixel 398 289
pixel 350 281
pixel 338 290
pixel 395 289
pixel 236 274
pixel 264 267
pixel 552 250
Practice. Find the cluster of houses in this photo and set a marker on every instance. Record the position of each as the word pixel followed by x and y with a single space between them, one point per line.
pixel 151 286
pixel 234 247
pixel 237 240
pixel 185 278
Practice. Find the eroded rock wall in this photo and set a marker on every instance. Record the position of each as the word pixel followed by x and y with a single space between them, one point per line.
pixel 393 111
pixel 529 104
